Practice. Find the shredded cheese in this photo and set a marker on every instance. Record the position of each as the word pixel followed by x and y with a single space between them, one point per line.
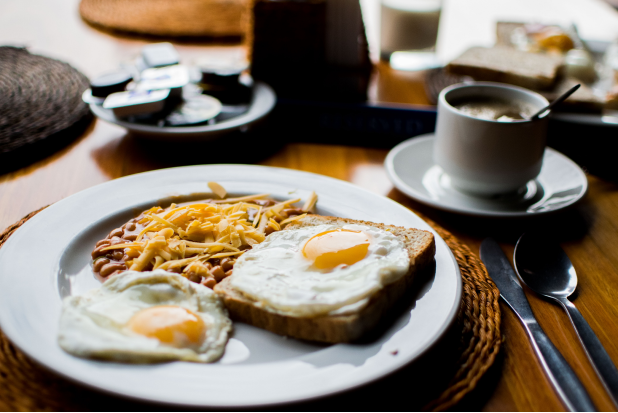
pixel 186 237
pixel 313 198
pixel 217 189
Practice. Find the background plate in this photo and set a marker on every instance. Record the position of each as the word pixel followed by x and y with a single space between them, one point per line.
pixel 262 103
pixel 259 368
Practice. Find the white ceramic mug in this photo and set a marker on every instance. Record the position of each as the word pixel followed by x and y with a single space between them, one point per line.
pixel 488 157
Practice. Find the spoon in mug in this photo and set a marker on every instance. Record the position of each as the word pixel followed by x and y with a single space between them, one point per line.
pixel 546 269
pixel 558 100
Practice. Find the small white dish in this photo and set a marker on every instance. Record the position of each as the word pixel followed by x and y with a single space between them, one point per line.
pixel 259 368
pixel 262 103
pixel 411 169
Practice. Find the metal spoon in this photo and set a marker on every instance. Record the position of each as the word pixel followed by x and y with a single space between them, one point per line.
pixel 559 99
pixel 546 269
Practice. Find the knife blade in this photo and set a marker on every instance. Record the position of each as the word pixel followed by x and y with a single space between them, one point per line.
pixel 560 374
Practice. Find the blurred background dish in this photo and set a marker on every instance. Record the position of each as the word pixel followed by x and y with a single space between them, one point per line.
pixel 262 102
pixel 155 96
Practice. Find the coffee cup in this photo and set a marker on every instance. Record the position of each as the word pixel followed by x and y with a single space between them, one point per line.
pixel 484 140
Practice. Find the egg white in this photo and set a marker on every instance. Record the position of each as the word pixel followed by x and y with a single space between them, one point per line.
pixel 93 325
pixel 276 274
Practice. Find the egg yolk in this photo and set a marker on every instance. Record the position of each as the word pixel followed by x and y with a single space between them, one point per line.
pixel 329 249
pixel 172 325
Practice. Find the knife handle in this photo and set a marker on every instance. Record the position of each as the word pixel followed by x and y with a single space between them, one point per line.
pixel 562 377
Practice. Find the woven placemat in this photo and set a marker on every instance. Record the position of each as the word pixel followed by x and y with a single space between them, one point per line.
pixel 26 386
pixel 169 18
pixel 40 104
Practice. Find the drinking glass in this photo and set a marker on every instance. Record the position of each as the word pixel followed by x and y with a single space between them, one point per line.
pixel 408 33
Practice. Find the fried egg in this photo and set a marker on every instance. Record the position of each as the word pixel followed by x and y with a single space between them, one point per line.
pixel 320 270
pixel 144 317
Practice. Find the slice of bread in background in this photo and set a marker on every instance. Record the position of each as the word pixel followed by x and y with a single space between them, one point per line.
pixel 336 328
pixel 508 65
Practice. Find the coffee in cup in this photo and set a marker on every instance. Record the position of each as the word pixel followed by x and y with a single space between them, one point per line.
pixel 491 108
pixel 485 141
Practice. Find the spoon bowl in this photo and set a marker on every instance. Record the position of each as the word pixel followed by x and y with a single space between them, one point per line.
pixel 544 267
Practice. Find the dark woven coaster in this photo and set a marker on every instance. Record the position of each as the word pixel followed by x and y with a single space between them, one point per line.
pixel 168 18
pixel 26 386
pixel 40 106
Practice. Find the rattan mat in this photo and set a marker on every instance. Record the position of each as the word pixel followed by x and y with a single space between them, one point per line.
pixel 169 18
pixel 26 386
pixel 40 101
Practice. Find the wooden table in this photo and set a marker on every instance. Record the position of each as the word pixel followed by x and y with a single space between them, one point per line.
pixel 587 232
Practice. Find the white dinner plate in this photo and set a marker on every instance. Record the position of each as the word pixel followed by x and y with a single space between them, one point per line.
pixel 410 167
pixel 49 257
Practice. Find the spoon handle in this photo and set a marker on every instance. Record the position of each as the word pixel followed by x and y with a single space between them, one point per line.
pixel 595 351
pixel 558 100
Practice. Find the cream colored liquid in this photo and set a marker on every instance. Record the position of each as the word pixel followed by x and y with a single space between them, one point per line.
pixel 495 109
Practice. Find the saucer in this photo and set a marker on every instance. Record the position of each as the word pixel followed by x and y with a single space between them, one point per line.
pixel 411 169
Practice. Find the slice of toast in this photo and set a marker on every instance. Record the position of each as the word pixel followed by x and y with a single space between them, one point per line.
pixel 340 328
pixel 508 65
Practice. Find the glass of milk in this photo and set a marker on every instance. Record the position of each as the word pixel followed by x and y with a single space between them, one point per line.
pixel 408 32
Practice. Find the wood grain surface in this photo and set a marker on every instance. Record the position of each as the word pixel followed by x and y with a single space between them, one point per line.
pixel 588 232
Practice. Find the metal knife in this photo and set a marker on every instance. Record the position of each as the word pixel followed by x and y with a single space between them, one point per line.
pixel 560 374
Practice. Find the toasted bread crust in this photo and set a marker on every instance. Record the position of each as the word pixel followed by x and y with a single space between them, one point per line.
pixel 335 328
